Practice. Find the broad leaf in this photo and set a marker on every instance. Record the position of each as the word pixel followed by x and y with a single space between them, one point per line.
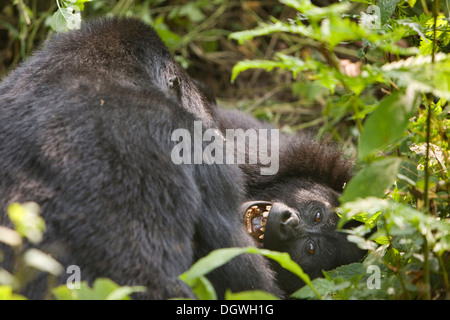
pixel 219 257
pixel 249 295
pixel 387 124
pixel 372 181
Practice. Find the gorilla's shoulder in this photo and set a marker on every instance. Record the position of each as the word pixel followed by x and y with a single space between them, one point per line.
pixel 103 33
pixel 117 27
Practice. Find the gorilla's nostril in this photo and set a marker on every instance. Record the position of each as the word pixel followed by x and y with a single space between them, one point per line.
pixel 289 219
pixel 285 216
pixel 282 226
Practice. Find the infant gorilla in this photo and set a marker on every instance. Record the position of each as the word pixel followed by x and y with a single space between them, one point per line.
pixel 292 210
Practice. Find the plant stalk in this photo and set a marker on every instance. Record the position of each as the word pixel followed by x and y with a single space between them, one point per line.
pixel 426 263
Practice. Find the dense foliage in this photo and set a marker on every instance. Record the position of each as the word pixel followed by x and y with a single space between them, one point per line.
pixel 377 73
pixel 402 187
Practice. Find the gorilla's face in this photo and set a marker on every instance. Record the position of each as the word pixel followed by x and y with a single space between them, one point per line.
pixel 302 223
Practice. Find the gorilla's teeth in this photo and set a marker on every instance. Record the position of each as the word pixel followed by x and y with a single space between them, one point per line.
pixel 262 228
pixel 263 222
pixel 265 214
pixel 261 237
pixel 268 208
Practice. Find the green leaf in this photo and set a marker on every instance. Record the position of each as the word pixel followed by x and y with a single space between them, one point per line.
pixel 387 8
pixel 63 293
pixel 106 289
pixel 265 29
pixel 369 219
pixel 286 62
pixel 361 242
pixel 123 293
pixel 10 237
pixel 419 74
pixel 323 287
pixel 192 12
pixel 382 239
pixel 42 261
pixel 6 293
pixel 372 180
pixel 219 257
pixel 212 261
pixel 426 44
pixel 401 220
pixel 387 124
pixel 242 66
pixel 203 289
pixel 335 29
pixel 27 220
pixel 102 289
pixel 365 1
pixel 349 271
pixel 169 38
pixel 80 3
pixel 314 12
pixel 58 22
pixel 249 295
pixel 287 263
pixel 299 5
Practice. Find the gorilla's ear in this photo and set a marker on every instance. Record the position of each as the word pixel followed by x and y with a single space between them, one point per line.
pixel 174 87
pixel 173 83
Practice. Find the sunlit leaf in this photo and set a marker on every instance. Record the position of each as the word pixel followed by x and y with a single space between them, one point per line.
pixel 387 124
pixel 373 180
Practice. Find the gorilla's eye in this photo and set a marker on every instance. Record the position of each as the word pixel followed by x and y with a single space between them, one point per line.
pixel 311 247
pixel 318 216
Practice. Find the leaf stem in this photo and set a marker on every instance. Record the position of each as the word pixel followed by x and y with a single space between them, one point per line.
pixel 23 11
pixel 426 268
pixel 426 263
pixel 428 133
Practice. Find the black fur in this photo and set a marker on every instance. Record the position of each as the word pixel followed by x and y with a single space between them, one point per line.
pixel 85 128
pixel 309 181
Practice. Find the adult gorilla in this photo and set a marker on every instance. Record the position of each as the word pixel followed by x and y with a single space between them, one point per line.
pixel 85 131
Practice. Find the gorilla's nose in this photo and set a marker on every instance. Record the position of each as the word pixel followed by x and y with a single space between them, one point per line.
pixel 282 226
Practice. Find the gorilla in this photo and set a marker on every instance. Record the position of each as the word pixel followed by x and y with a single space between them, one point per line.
pixel 85 131
pixel 292 210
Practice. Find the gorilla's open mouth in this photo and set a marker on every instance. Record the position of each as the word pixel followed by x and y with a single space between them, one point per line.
pixel 256 219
